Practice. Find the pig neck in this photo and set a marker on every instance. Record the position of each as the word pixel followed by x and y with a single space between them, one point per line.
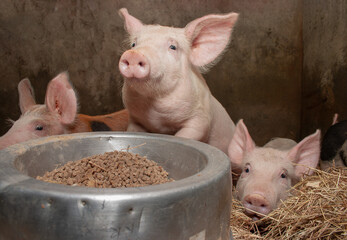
pixel 167 111
pixel 196 77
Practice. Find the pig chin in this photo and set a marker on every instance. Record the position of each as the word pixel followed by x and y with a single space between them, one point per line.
pixel 256 213
pixel 146 86
pixel 153 78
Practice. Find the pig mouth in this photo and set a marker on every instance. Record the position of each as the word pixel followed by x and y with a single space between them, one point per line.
pixel 135 82
pixel 255 216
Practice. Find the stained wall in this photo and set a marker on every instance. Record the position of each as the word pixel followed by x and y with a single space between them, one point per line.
pixel 325 64
pixel 265 76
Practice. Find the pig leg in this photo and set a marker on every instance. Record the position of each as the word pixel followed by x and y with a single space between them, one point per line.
pixel 133 127
pixel 196 129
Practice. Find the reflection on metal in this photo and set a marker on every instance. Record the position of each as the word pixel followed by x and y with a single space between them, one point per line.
pixel 196 204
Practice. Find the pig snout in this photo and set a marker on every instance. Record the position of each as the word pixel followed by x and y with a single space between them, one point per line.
pixel 134 65
pixel 9 139
pixel 256 203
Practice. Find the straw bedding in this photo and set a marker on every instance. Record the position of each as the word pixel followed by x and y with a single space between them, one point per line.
pixel 316 210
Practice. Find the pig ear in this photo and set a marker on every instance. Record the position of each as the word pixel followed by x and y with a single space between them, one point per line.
pixel 306 154
pixel 336 116
pixel 26 95
pixel 131 24
pixel 61 98
pixel 209 36
pixel 240 143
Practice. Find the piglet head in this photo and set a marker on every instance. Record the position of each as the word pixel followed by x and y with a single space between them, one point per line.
pixel 161 56
pixel 267 173
pixel 51 118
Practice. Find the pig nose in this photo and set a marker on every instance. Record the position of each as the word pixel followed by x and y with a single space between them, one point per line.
pixel 256 203
pixel 133 64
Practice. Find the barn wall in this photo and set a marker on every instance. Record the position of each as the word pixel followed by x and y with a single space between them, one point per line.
pixel 325 64
pixel 259 78
pixel 262 69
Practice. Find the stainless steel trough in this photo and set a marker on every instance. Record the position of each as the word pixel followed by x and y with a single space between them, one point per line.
pixel 195 206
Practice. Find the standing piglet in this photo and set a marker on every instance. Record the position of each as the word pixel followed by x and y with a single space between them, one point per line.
pixel 164 90
pixel 58 115
pixel 268 172
pixel 334 145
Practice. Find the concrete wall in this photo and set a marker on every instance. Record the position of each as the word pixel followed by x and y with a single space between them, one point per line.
pixel 325 63
pixel 264 66
pixel 259 79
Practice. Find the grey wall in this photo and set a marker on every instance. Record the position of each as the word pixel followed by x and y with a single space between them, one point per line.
pixel 265 77
pixel 325 63
pixel 263 69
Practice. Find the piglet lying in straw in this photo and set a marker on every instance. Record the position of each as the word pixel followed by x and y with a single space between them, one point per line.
pixel 164 90
pixel 268 172
pixel 57 116
pixel 334 145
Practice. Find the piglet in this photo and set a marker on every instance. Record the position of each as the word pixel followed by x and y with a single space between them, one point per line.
pixel 164 90
pixel 268 172
pixel 58 115
pixel 334 145
pixel 117 121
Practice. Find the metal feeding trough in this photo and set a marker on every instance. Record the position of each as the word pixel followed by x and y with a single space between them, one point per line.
pixel 195 206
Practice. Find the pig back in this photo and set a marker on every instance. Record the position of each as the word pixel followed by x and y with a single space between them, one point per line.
pixel 280 144
pixel 117 121
pixel 334 146
pixel 222 126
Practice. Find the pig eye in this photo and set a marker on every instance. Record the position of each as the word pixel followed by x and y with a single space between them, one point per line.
pixel 133 45
pixel 173 47
pixel 283 175
pixel 246 169
pixel 39 128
